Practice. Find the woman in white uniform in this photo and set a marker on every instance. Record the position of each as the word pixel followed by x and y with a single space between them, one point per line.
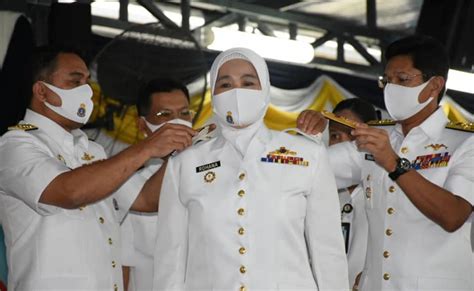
pixel 252 208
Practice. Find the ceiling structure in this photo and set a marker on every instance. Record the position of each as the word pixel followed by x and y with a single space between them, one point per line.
pixel 364 26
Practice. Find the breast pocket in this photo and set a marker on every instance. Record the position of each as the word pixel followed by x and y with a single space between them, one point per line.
pixel 61 245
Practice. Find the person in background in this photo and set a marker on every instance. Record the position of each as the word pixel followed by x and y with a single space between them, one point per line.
pixel 61 199
pixel 418 177
pixel 352 199
pixel 251 208
pixel 159 102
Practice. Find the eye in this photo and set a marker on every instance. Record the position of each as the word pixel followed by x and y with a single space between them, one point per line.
pixel 249 84
pixel 164 113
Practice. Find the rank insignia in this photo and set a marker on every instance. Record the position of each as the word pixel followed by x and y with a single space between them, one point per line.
pixel 368 192
pixel 209 177
pixel 436 146
pixel 23 126
pixel 431 161
pixel 87 157
pixel 229 118
pixel 81 112
pixel 284 156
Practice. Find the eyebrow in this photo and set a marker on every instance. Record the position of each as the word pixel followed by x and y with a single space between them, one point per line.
pixel 222 77
pixel 79 74
pixel 250 76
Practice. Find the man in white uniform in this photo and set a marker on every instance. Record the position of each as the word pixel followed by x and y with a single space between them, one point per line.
pixel 352 198
pixel 159 102
pixel 418 178
pixel 60 202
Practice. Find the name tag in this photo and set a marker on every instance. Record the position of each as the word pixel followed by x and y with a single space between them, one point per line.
pixel 207 167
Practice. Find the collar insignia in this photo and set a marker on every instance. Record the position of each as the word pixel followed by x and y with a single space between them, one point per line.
pixel 436 146
pixel 87 157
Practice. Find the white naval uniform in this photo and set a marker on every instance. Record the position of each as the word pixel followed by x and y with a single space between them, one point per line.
pixel 241 223
pixel 356 219
pixel 50 248
pixel 406 250
pixel 138 240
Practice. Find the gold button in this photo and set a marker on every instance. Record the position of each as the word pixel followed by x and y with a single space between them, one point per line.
pixel 242 250
pixel 241 211
pixel 404 150
pixel 390 211
pixel 101 220
pixel 391 189
pixel 388 232
pixel 110 241
pixel 115 287
pixel 242 288
pixel 386 254
pixel 241 193
pixel 241 231
pixel 243 269
pixel 386 276
pixel 242 176
pixel 113 264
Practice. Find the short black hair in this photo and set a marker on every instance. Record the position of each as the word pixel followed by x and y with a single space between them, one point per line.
pixel 156 86
pixel 428 54
pixel 364 110
pixel 45 60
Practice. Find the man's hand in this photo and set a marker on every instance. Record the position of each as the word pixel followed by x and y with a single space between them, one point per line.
pixel 169 138
pixel 311 122
pixel 376 142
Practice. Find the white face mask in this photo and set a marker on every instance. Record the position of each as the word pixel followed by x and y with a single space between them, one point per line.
pixel 153 127
pixel 239 107
pixel 402 102
pixel 76 103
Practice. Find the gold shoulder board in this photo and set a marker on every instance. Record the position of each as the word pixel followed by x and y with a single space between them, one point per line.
pixel 463 126
pixel 23 126
pixel 383 122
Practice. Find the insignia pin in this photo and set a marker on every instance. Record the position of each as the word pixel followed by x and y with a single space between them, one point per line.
pixel 209 177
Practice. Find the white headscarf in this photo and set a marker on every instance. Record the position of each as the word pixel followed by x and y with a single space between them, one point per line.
pixel 240 138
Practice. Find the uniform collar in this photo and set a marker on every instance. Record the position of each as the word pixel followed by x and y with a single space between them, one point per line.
pixel 432 126
pixel 55 131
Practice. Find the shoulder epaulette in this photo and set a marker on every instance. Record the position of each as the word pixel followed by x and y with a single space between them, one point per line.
pixel 23 126
pixel 463 126
pixel 383 122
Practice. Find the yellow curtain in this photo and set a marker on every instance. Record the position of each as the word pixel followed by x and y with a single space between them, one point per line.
pixel 125 128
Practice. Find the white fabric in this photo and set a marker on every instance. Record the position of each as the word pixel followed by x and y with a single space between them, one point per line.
pixel 291 212
pixel 402 102
pixel 358 233
pixel 8 21
pixel 423 256
pixel 50 248
pixel 153 127
pixel 138 240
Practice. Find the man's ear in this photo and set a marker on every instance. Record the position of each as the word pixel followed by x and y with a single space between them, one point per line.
pixel 39 91
pixel 436 85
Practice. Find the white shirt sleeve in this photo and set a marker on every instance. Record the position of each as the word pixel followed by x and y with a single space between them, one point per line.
pixel 460 180
pixel 26 169
pixel 171 235
pixel 127 194
pixel 323 229
pixel 346 163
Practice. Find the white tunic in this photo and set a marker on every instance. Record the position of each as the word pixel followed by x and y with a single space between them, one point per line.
pixel 138 240
pixel 50 248
pixel 355 222
pixel 232 223
pixel 406 250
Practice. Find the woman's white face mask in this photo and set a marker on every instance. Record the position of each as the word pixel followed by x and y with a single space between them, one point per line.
pixel 76 103
pixel 240 107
